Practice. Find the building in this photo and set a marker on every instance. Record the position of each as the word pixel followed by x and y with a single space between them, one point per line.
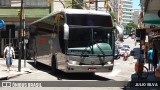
pixel 119 12
pixel 136 13
pixel 33 10
pixel 150 18
pixel 127 11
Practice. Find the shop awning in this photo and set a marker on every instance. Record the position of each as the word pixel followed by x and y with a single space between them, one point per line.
pixel 151 9
pixel 151 18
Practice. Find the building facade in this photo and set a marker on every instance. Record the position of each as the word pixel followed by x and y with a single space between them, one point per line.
pixel 119 12
pixel 136 13
pixel 9 13
pixel 127 14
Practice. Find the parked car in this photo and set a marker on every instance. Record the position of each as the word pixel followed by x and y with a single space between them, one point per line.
pixel 122 51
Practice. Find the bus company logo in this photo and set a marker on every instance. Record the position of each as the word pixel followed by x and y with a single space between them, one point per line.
pixel 6 84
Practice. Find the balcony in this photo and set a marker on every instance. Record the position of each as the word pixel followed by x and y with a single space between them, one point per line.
pixel 29 12
pixel 27 3
pixel 32 8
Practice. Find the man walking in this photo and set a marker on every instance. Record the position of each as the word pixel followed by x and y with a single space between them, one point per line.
pixel 9 53
pixel 150 59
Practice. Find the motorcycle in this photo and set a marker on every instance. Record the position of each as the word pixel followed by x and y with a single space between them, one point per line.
pixel 125 56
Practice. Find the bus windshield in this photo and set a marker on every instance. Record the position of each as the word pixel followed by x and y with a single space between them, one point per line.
pixel 90 40
pixel 89 34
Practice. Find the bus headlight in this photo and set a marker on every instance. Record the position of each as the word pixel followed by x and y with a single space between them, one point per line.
pixel 73 62
pixel 109 62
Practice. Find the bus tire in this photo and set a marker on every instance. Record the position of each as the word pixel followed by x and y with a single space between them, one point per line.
pixel 54 64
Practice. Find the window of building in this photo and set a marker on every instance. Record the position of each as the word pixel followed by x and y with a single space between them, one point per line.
pixel 36 3
pixel 5 2
pixel 27 3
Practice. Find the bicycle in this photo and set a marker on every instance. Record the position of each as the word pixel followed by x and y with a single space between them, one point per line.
pixel 142 71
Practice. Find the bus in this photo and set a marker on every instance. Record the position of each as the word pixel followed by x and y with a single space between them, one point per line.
pixel 74 41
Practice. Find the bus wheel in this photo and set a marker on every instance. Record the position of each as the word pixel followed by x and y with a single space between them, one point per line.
pixel 54 65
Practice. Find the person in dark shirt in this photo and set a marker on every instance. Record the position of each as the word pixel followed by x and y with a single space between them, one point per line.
pixel 155 57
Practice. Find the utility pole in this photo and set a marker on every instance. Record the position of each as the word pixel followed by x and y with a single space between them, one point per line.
pixel 24 43
pixel 9 41
pixel 20 38
pixel 50 2
pixel 96 5
pixel 9 37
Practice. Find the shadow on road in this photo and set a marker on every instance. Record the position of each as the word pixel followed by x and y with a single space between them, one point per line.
pixel 69 76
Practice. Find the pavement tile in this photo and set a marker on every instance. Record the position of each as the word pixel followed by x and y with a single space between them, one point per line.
pixel 4 74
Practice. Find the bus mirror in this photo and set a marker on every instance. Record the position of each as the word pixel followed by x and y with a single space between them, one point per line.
pixel 66 31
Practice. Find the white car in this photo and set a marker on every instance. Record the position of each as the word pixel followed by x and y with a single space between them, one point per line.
pixel 126 46
pixel 122 51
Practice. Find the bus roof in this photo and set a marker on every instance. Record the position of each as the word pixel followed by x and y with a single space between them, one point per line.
pixel 82 11
pixel 74 11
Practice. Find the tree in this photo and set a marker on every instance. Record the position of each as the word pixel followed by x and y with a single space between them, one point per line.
pixel 130 26
pixel 113 15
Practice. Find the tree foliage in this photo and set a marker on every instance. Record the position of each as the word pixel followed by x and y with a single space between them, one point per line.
pixel 113 15
pixel 130 26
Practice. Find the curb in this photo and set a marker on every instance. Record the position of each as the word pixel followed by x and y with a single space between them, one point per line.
pixel 13 76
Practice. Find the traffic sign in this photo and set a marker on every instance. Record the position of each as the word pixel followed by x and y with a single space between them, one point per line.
pixel 1 24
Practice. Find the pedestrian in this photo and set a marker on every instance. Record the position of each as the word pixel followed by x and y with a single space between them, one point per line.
pixel 135 40
pixel 155 57
pixel 9 54
pixel 150 59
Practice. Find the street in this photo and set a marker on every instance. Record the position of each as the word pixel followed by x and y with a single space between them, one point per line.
pixel 79 36
pixel 123 71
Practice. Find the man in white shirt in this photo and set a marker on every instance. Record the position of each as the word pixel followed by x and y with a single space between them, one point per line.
pixel 9 53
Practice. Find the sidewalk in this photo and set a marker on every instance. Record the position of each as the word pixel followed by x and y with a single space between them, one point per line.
pixel 4 75
pixel 151 76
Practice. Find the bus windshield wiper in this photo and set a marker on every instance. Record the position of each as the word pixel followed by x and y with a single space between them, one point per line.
pixel 101 60
pixel 83 52
pixel 100 49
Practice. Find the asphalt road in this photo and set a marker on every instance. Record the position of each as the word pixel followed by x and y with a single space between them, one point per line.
pixel 123 70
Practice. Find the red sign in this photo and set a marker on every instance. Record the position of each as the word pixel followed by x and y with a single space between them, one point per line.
pixel 41 40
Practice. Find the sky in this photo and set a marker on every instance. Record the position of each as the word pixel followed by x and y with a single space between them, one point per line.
pixel 136 4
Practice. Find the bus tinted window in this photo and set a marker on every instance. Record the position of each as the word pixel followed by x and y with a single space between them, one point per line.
pixel 89 20
pixel 83 38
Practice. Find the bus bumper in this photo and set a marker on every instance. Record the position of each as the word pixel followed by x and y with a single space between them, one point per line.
pixel 88 68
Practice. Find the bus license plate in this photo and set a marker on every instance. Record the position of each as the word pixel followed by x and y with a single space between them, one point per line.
pixel 92 69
